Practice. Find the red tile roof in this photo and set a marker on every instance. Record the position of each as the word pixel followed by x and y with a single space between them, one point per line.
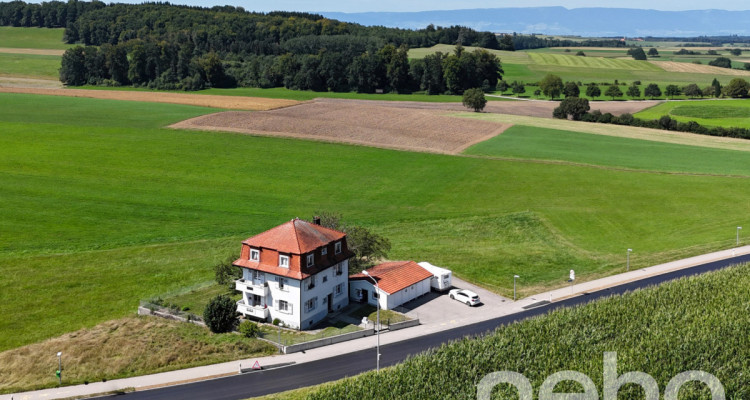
pixel 295 237
pixel 396 275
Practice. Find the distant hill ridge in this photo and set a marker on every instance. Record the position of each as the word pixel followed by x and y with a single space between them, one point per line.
pixel 594 21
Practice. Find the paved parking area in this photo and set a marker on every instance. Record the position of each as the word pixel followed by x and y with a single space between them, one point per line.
pixel 438 308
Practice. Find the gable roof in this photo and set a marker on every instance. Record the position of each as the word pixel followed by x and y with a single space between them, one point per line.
pixel 295 237
pixel 396 275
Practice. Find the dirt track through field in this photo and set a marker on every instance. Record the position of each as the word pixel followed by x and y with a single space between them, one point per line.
pixel 225 102
pixel 39 52
pixel 410 126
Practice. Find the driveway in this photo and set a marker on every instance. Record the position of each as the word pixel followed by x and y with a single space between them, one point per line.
pixel 438 308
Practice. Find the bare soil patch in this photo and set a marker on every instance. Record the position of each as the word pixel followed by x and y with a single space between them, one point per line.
pixel 412 126
pixel 673 66
pixel 40 52
pixel 226 102
pixel 398 125
pixel 16 82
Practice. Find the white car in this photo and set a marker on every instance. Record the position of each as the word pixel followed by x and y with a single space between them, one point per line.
pixel 465 296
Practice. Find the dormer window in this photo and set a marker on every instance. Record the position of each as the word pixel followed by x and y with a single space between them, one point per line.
pixel 310 260
pixel 254 255
pixel 338 248
pixel 284 261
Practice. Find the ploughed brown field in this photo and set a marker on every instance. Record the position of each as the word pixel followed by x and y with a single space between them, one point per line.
pixel 410 126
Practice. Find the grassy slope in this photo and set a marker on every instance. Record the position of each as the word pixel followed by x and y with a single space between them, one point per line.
pixel 130 346
pixel 29 66
pixel 552 144
pixel 681 325
pixel 599 66
pixel 32 38
pixel 101 208
pixel 725 113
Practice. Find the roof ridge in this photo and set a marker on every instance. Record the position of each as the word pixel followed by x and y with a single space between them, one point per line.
pixel 296 235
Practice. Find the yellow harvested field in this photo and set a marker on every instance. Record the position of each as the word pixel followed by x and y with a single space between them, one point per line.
pixel 673 66
pixel 654 135
pixel 39 52
pixel 225 102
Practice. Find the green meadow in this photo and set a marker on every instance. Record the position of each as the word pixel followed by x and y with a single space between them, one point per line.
pixel 559 145
pixel 29 65
pixel 32 38
pixel 726 113
pixel 102 207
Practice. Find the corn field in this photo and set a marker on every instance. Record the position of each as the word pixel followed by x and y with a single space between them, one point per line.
pixel 697 323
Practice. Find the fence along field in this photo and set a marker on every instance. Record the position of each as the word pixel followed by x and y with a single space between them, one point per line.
pixel 682 324
pixel 102 206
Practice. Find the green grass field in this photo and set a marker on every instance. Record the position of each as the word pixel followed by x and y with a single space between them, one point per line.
pixel 695 324
pixel 304 95
pixel 551 144
pixel 32 38
pixel 726 113
pixel 592 62
pixel 29 66
pixel 102 207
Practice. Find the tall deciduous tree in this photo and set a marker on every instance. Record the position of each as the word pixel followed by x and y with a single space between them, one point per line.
pixel 575 107
pixel 652 90
pixel 571 90
pixel 613 91
pixel 474 99
pixel 692 90
pixel 593 91
pixel 634 91
pixel 73 67
pixel 366 245
pixel 672 90
pixel 551 85
pixel 736 88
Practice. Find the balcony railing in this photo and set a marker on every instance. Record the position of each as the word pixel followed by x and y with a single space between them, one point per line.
pixel 252 311
pixel 255 287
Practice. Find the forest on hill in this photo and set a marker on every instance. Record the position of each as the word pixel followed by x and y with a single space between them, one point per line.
pixel 165 46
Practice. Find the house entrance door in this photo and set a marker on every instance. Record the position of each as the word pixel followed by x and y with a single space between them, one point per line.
pixel 330 302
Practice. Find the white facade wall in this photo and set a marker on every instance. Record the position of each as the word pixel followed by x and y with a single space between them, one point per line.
pixel 325 284
pixel 296 294
pixel 387 301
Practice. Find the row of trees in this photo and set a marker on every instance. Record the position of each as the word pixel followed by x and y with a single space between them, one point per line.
pixel 166 65
pixel 48 14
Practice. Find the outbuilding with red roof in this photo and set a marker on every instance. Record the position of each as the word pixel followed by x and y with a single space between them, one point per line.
pixel 397 283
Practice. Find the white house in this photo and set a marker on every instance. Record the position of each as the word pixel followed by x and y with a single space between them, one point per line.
pixel 398 281
pixel 296 272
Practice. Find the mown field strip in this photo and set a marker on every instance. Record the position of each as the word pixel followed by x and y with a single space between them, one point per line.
pixel 592 62
pixel 617 130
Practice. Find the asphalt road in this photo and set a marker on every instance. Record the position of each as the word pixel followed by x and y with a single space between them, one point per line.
pixel 316 372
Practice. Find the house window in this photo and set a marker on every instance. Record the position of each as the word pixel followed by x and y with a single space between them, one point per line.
pixel 282 282
pixel 310 260
pixel 311 304
pixel 256 275
pixel 337 248
pixel 375 295
pixel 324 251
pixel 325 279
pixel 254 255
pixel 311 283
pixel 339 289
pixel 284 306
pixel 338 270
pixel 284 261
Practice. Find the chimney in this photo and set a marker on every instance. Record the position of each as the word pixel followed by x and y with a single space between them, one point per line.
pixel 316 220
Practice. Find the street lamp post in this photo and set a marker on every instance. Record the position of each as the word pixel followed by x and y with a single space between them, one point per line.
pixel 377 361
pixel 59 367
pixel 514 286
pixel 738 235
pixel 628 260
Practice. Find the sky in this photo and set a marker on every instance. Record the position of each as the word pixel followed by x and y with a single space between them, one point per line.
pixel 425 5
